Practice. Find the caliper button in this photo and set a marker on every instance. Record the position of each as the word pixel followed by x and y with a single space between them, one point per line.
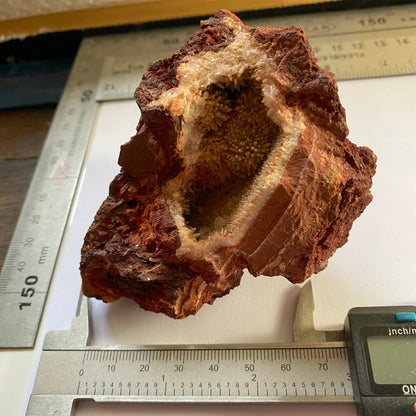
pixel 405 316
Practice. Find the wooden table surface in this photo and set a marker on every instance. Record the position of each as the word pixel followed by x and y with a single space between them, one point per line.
pixel 22 134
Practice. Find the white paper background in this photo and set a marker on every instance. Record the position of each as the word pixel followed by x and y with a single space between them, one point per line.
pixel 375 267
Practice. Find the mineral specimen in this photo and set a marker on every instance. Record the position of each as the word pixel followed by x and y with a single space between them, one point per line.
pixel 240 161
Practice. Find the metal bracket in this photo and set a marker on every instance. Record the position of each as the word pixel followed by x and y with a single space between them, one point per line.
pixel 77 336
pixel 304 331
pixel 303 326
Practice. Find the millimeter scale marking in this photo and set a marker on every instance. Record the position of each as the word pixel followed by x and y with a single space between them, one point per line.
pixel 352 44
pixel 312 372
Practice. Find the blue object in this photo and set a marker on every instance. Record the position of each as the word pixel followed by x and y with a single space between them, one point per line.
pixel 405 316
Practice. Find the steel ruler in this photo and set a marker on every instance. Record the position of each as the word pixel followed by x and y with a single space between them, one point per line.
pixel 352 44
pixel 312 369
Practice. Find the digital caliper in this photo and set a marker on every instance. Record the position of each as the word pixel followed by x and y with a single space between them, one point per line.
pixel 382 353
pixel 375 367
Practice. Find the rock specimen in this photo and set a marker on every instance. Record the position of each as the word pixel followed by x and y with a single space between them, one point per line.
pixel 240 161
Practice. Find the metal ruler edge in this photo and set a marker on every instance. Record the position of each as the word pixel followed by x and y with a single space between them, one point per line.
pixel 229 374
pixel 353 44
pixel 30 261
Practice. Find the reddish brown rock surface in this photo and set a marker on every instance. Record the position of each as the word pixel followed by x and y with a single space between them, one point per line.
pixel 240 161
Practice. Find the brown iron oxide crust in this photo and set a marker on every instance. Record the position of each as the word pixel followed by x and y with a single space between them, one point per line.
pixel 240 161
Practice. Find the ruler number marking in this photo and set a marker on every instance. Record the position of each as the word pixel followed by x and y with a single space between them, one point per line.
pixel 21 266
pixel 86 96
pixel 323 366
pixel 144 368
pixel 214 367
pixel 28 242
pixel 171 41
pixel 372 21
pixel 403 41
pixel 28 290
pixel 178 368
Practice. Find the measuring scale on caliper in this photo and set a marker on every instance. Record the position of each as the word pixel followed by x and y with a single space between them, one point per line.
pixel 373 363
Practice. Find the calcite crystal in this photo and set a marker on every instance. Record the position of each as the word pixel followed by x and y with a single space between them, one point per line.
pixel 240 161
